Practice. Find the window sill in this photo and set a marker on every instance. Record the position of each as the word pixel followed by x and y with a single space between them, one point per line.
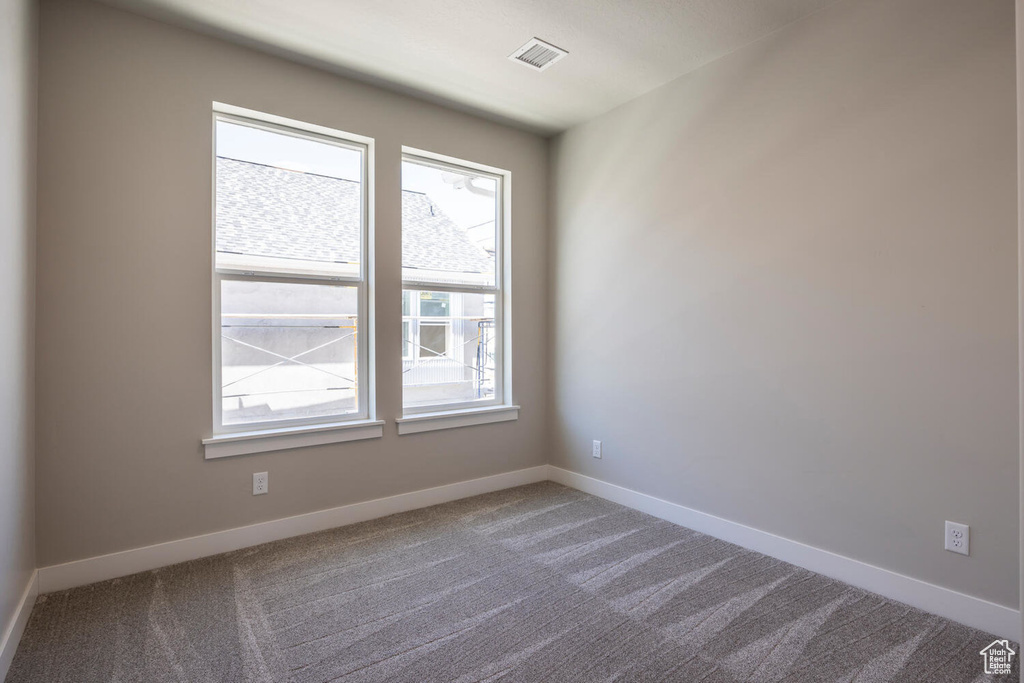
pixel 262 441
pixel 450 419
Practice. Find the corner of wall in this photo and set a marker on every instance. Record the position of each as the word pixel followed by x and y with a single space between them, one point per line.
pixel 551 416
pixel 19 83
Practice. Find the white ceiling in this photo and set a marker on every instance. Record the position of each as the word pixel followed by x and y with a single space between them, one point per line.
pixel 456 50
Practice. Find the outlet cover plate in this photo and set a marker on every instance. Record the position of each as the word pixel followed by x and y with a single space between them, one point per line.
pixel 596 452
pixel 260 483
pixel 958 538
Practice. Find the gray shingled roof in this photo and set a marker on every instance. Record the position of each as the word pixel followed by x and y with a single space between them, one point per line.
pixel 268 211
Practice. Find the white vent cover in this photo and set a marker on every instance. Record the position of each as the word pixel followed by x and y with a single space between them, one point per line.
pixel 537 54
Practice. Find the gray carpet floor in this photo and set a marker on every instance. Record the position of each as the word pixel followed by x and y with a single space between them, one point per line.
pixel 537 583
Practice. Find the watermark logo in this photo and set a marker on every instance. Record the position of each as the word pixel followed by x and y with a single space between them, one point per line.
pixel 998 657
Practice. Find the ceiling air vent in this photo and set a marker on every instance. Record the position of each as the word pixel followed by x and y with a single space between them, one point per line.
pixel 537 54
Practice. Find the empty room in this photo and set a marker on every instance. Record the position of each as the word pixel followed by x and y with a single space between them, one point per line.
pixel 511 340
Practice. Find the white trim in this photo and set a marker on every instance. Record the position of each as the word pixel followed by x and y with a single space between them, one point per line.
pixel 442 161
pixel 453 287
pixel 254 117
pixel 264 440
pixel 93 569
pixel 282 268
pixel 16 626
pixel 505 324
pixel 450 419
pixel 966 609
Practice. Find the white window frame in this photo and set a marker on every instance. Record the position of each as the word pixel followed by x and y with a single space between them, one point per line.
pixel 254 437
pixel 500 408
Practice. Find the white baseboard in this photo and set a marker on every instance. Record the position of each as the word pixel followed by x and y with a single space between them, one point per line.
pixel 966 609
pixel 16 626
pixel 93 569
pixel 975 612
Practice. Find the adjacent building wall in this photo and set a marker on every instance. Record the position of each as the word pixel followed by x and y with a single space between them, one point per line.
pixel 124 333
pixel 785 289
pixel 17 235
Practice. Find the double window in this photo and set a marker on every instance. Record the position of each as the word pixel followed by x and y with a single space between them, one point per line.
pixel 291 296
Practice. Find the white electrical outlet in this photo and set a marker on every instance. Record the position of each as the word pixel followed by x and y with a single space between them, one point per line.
pixel 596 452
pixel 958 538
pixel 260 483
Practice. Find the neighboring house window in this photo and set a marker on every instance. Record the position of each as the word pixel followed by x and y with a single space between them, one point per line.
pixel 426 324
pixel 290 288
pixel 454 310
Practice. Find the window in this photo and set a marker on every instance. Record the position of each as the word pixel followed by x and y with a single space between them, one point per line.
pixel 433 340
pixel 428 337
pixel 290 290
pixel 454 310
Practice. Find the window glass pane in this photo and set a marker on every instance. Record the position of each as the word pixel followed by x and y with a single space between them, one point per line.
pixel 287 204
pixel 449 225
pixel 433 340
pixel 407 302
pixel 434 304
pixel 288 351
pixel 406 339
pixel 455 354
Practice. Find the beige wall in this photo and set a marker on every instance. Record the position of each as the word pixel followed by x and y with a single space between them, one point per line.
pixel 17 235
pixel 124 287
pixel 1020 265
pixel 785 289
